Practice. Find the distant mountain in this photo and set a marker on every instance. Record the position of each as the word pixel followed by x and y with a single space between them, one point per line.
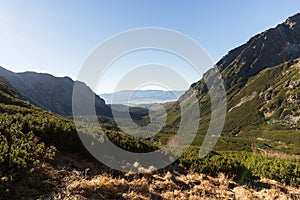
pixel 50 92
pixel 262 81
pixel 138 97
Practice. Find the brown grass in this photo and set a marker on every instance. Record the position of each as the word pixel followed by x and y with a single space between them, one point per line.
pixel 280 155
pixel 52 181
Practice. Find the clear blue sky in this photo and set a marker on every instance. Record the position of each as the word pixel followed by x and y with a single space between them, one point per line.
pixel 56 36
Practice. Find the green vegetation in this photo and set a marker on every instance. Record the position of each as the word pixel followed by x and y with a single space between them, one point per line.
pixel 268 105
pixel 20 153
pixel 244 166
pixel 247 125
pixel 30 135
pixel 263 113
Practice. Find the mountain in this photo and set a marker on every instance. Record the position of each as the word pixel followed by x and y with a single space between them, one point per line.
pixel 21 115
pixel 265 50
pixel 137 97
pixel 26 135
pixel 262 81
pixel 50 92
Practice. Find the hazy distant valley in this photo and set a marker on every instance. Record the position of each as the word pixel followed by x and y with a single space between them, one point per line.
pixel 139 97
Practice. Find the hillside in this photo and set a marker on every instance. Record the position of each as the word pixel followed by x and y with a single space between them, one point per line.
pixel 50 92
pixel 31 136
pixel 262 86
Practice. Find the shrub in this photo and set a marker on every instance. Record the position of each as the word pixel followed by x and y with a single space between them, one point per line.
pixel 20 154
pixel 242 166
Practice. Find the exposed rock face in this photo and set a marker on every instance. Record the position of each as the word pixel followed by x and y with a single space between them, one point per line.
pixel 267 49
pixel 281 99
pixel 49 92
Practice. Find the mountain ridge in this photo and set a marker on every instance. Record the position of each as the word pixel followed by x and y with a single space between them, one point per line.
pixel 262 95
pixel 50 92
pixel 264 50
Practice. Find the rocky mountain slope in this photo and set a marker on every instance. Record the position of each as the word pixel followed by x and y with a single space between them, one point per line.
pixel 49 92
pixel 262 92
pixel 265 50
pixel 262 80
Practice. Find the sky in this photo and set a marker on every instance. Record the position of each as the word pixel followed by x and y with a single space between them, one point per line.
pixel 56 37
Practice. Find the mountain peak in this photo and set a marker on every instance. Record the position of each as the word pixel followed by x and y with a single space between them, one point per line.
pixel 265 50
pixel 293 20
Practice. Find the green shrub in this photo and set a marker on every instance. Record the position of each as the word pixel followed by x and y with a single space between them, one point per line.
pixel 242 166
pixel 20 154
pixel 285 171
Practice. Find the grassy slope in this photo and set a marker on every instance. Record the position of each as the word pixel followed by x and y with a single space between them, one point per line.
pixel 252 116
pixel 263 114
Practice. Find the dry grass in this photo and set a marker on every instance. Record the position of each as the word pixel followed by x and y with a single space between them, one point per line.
pixel 71 182
pixel 280 155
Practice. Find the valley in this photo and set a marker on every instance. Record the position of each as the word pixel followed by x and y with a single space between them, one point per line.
pixel 257 156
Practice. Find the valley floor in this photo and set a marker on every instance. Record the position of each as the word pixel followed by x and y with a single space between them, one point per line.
pixel 69 177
